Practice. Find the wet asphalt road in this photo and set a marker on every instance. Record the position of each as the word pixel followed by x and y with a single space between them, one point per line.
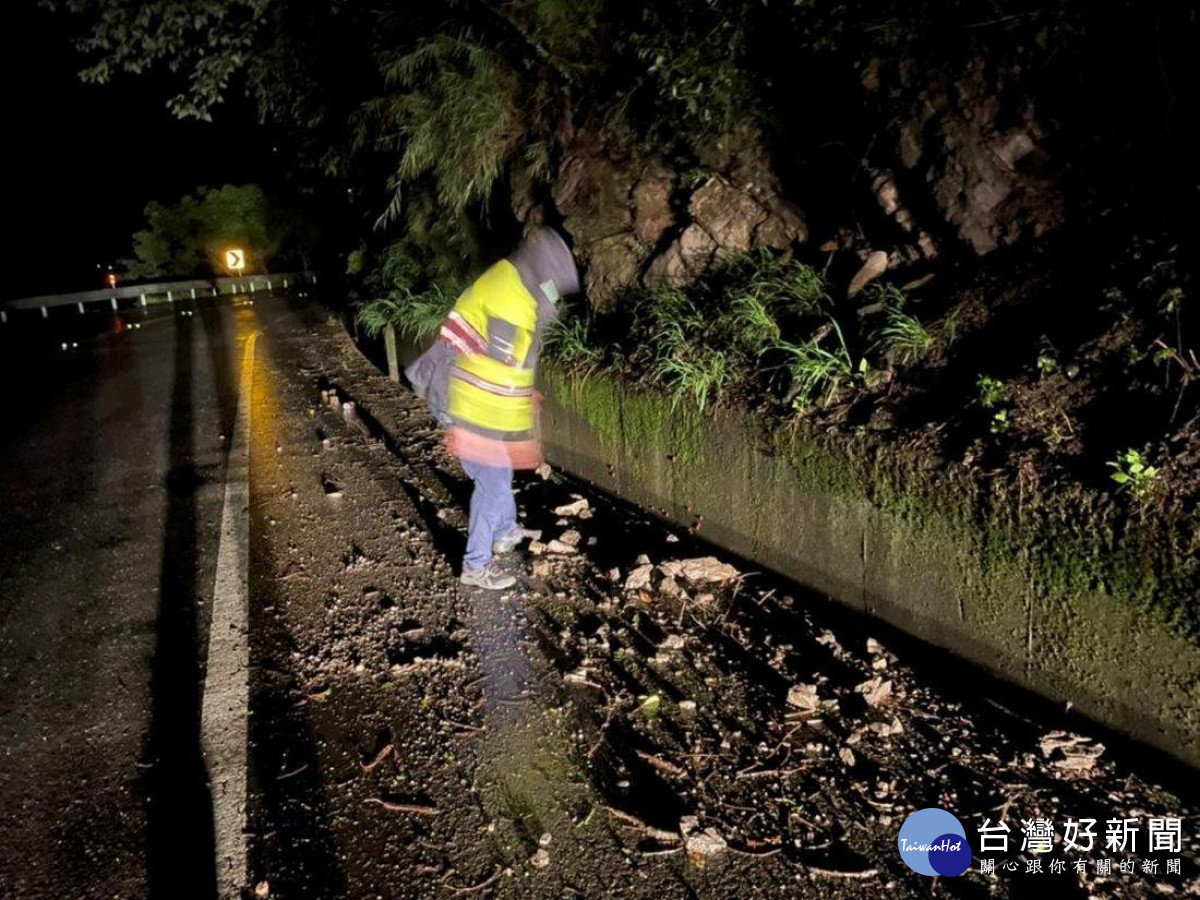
pixel 112 463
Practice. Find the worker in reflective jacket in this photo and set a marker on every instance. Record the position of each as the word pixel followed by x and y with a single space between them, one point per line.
pixel 478 380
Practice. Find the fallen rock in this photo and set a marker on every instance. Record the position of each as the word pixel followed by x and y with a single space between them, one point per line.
pixel 571 538
pixel 671 588
pixel 701 570
pixel 639 578
pixel 1070 752
pixel 875 266
pixel 560 547
pixel 876 692
pixel 804 696
pixel 544 471
pixel 537 548
pixel 673 642
pixel 846 755
pixel 572 509
pixel 704 844
pixel 542 568
pixel 541 859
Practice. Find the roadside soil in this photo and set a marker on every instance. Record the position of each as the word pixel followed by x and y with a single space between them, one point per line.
pixel 623 722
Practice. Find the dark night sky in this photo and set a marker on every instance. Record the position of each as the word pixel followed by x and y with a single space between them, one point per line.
pixel 83 160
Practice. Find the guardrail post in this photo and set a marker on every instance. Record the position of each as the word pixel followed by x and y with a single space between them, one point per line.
pixel 193 293
pixel 314 279
pixel 143 299
pixel 114 303
pixel 45 314
pixel 252 285
pixel 389 341
pixel 3 317
pixel 215 290
pixel 285 284
pixel 170 297
pixel 80 305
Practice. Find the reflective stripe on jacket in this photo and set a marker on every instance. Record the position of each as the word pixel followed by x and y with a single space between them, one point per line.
pixel 492 328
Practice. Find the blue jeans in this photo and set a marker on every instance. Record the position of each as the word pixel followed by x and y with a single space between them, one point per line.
pixel 493 511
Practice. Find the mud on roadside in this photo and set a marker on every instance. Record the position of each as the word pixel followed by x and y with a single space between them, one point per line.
pixel 620 724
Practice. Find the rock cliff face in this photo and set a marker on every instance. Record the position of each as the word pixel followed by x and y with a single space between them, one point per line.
pixel 973 141
pixel 962 162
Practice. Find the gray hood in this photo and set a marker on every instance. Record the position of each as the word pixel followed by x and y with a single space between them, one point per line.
pixel 544 257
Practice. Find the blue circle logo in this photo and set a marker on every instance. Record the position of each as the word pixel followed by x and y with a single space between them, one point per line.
pixel 933 842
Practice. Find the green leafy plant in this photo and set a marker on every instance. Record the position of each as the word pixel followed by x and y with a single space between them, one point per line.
pixel 1000 421
pixel 1134 474
pixel 992 391
pixel 414 316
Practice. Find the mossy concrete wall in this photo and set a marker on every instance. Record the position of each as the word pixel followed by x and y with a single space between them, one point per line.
pixel 1054 604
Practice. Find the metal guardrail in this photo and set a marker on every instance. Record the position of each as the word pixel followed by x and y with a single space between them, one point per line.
pixel 159 293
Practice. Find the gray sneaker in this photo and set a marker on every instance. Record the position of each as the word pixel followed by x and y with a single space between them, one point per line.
pixel 513 538
pixel 487 577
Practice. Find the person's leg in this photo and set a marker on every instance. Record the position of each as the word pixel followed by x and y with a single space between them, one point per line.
pixel 506 506
pixel 483 515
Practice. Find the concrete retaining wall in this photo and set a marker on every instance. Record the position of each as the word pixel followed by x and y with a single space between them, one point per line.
pixel 1035 608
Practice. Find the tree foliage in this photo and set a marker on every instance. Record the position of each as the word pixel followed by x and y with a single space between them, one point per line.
pixel 189 237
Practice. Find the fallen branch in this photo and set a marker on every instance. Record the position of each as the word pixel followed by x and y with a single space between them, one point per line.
pixel 383 754
pixel 835 873
pixel 291 774
pixel 667 837
pixel 483 885
pixel 414 808
pixel 661 764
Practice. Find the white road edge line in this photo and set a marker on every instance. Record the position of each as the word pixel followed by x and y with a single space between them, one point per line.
pixel 224 727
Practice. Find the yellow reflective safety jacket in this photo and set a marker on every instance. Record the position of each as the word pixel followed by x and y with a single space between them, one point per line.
pixel 492 328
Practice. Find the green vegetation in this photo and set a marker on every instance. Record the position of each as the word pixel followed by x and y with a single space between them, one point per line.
pixel 992 391
pixel 903 339
pixel 414 316
pixel 816 373
pixel 1134 474
pixel 191 236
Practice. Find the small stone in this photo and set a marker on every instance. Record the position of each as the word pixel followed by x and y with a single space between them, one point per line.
pixel 672 539
pixel 688 824
pixel 671 588
pixel 707 570
pixel 560 547
pixel 704 844
pixel 537 548
pixel 262 890
pixel 642 560
pixel 571 538
pixel 579 507
pixel 873 646
pixel 614 574
pixel 673 642
pixel 876 691
pixel 544 471
pixel 639 578
pixel 545 839
pixel 846 755
pixel 542 568
pixel 687 707
pixel 541 859
pixel 804 696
